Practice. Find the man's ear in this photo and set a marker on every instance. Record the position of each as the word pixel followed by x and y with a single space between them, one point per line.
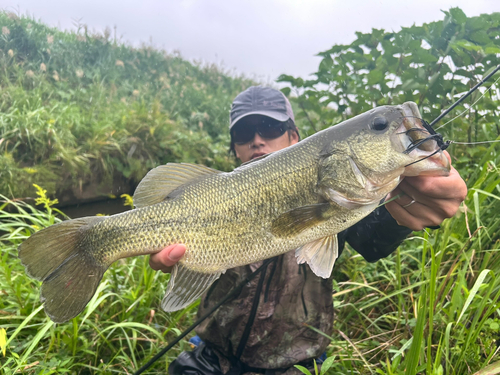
pixel 293 136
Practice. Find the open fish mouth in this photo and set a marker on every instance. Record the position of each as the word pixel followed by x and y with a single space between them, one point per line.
pixel 424 148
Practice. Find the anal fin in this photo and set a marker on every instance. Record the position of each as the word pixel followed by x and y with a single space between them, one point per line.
pixel 320 254
pixel 185 287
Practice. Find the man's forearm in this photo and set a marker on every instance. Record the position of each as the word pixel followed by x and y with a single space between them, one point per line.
pixel 377 235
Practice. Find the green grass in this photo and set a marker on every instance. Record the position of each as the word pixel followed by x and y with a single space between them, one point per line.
pixel 98 111
pixel 81 111
pixel 431 308
pixel 119 330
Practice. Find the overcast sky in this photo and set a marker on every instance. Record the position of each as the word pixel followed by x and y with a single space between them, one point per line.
pixel 260 38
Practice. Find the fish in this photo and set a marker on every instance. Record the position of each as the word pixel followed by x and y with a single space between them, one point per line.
pixel 297 198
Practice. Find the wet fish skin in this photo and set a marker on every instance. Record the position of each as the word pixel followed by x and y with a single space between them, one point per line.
pixel 296 198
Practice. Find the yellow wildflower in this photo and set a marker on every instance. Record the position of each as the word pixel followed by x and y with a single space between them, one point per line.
pixel 3 340
pixel 129 201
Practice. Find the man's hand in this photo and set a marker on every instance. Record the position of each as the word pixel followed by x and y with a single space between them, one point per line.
pixel 166 258
pixel 427 201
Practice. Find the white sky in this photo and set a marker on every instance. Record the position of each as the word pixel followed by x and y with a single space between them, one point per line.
pixel 260 38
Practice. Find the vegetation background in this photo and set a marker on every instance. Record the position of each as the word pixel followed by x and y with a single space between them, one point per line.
pixel 82 112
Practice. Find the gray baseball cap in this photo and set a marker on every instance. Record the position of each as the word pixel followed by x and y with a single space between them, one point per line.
pixel 259 100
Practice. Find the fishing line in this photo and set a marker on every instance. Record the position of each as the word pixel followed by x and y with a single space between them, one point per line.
pixel 479 84
pixel 474 143
pixel 472 105
pixel 230 295
pixel 438 137
pixel 390 200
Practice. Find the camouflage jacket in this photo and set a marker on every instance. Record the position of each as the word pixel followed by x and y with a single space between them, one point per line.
pixel 286 297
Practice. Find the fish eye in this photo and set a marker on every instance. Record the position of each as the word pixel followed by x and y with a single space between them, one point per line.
pixel 379 123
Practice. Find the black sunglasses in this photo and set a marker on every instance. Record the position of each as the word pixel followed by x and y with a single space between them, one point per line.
pixel 267 128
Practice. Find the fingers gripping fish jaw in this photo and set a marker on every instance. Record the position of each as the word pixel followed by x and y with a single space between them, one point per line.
pixel 423 147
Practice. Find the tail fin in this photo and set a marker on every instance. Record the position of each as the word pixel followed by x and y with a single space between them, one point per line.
pixel 61 258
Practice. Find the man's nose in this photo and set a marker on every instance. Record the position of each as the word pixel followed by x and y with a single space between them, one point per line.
pixel 257 140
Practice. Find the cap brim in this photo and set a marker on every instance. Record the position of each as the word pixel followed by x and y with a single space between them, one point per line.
pixel 275 115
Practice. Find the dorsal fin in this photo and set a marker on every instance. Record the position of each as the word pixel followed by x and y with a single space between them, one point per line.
pixel 161 181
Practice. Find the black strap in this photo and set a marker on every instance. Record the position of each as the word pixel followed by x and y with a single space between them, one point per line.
pixel 253 312
pixel 304 271
pixel 270 278
pixel 234 292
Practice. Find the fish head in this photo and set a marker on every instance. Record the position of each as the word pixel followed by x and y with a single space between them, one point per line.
pixel 377 148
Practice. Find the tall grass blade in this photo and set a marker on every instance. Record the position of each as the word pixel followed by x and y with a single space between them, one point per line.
pixel 473 292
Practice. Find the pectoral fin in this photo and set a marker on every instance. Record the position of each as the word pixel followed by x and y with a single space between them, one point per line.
pixel 320 255
pixel 185 286
pixel 299 219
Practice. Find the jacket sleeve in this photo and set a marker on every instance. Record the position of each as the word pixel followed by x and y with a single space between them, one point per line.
pixel 377 235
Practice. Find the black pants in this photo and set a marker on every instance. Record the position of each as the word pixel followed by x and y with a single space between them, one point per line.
pixel 203 361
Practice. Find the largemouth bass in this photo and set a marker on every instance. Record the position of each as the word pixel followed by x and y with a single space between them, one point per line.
pixel 297 199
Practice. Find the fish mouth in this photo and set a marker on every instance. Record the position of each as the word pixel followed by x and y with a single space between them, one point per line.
pixel 423 148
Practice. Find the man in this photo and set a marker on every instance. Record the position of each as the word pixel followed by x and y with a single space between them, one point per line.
pixel 262 330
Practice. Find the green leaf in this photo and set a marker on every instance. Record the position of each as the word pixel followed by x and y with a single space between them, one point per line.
pixel 303 369
pixel 424 57
pixel 458 15
pixel 465 44
pixel 492 50
pixel 286 78
pixel 480 37
pixel 325 64
pixel 475 23
pixel 286 91
pixel 473 291
pixel 34 342
pixel 375 76
pixel 325 366
pixel 418 332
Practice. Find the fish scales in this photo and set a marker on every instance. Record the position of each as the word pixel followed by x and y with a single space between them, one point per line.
pixel 246 195
pixel 297 199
